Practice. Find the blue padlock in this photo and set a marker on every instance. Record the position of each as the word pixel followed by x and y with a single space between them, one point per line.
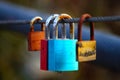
pixel 62 52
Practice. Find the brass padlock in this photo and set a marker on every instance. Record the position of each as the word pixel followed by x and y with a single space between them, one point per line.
pixel 86 50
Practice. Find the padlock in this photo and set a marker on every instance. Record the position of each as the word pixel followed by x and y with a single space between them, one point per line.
pixel 86 50
pixel 34 37
pixel 62 52
pixel 44 44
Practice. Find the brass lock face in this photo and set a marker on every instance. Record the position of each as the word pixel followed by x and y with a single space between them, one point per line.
pixel 86 50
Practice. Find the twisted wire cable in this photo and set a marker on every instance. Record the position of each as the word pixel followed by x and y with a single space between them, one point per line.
pixel 74 20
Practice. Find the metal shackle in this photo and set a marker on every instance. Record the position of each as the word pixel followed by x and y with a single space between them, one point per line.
pixel 55 23
pixel 83 17
pixel 47 24
pixel 37 18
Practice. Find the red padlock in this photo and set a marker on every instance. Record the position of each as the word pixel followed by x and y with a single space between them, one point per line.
pixel 34 37
pixel 44 55
pixel 44 45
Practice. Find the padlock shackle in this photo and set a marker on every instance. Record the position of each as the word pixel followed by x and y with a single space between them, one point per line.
pixel 55 25
pixel 83 17
pixel 47 24
pixel 37 18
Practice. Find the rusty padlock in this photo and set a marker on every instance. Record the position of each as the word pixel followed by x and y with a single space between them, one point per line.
pixel 34 37
pixel 86 50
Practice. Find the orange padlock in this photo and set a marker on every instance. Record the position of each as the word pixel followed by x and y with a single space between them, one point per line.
pixel 34 37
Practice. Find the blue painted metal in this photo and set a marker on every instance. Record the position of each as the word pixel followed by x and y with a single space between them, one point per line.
pixel 62 55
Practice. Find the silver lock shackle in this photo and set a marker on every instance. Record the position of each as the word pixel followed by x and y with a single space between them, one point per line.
pixel 47 24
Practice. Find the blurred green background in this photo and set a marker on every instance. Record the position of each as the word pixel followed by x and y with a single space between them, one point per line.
pixel 14 55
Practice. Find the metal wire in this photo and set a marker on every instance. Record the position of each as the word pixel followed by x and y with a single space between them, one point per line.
pixel 75 20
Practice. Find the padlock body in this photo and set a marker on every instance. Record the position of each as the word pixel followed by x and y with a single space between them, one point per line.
pixel 44 55
pixel 86 51
pixel 62 55
pixel 34 40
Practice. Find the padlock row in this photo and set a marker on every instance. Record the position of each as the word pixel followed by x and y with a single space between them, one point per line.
pixel 61 54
